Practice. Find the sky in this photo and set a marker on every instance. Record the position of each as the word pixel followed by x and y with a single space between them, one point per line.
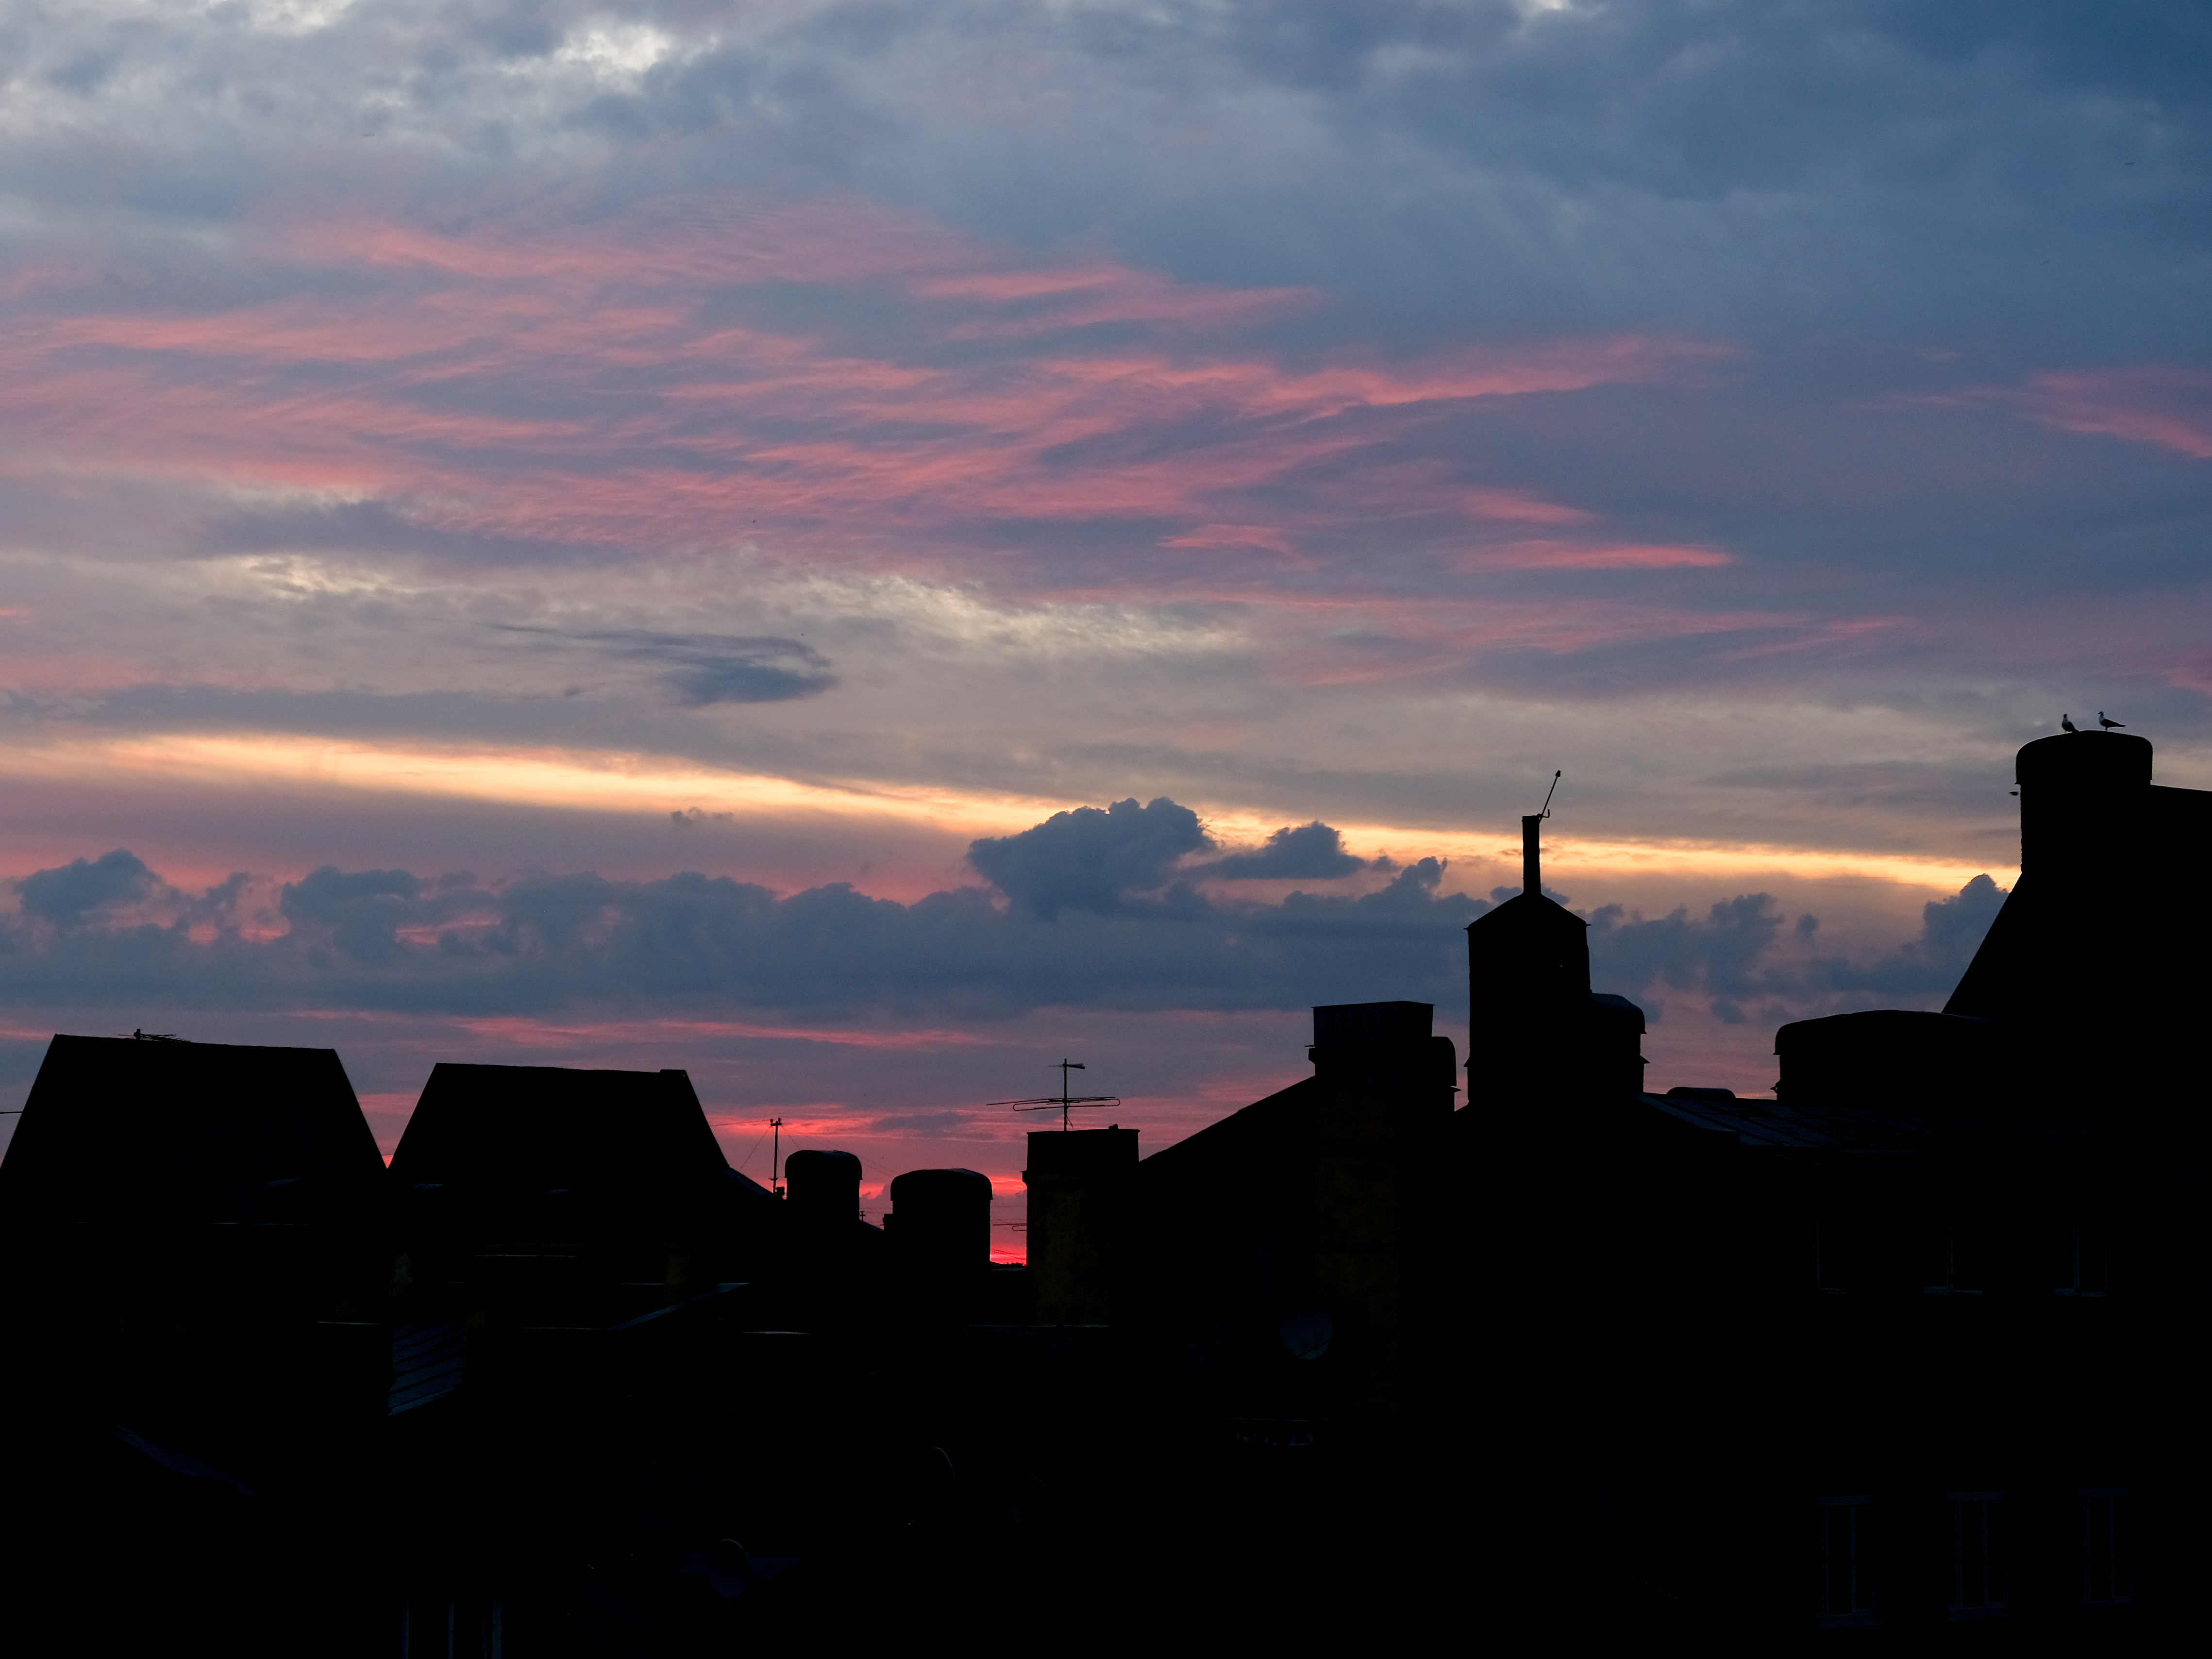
pixel 862 549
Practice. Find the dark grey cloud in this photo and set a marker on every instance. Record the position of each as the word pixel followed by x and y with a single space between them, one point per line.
pixel 1311 852
pixel 337 916
pixel 1089 859
pixel 704 669
pixel 1950 931
pixel 65 896
pixel 1739 955
pixel 1722 953
pixel 387 939
pixel 1725 158
pixel 1097 920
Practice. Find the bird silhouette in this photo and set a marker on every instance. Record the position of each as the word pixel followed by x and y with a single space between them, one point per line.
pixel 2066 723
pixel 2107 721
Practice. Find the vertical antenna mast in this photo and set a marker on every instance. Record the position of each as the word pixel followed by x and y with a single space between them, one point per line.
pixel 775 1157
pixel 1064 1102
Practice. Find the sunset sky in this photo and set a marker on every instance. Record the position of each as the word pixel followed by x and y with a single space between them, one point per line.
pixel 607 534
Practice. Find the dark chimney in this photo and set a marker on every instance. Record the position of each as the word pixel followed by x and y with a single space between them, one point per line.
pixel 1390 1044
pixel 825 1186
pixel 940 1233
pixel 2078 793
pixel 2092 972
pixel 1532 855
pixel 1081 1185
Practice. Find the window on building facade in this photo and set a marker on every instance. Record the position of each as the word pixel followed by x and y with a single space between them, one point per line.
pixel 1846 1527
pixel 1978 1554
pixel 2084 1261
pixel 1955 1265
pixel 2108 1545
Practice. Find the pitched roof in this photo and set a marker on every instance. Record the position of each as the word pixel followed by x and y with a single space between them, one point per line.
pixel 536 1127
pixel 129 1133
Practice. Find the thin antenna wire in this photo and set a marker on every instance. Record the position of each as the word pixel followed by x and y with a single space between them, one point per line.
pixel 748 1158
pixel 1065 1101
pixel 1548 794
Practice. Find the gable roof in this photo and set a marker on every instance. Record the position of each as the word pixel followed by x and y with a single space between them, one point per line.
pixel 129 1133
pixel 536 1127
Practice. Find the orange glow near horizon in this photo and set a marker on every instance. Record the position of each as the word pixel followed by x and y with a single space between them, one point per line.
pixel 653 785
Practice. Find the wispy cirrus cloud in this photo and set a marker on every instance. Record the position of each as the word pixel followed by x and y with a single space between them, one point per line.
pixel 2156 403
pixel 639 388
pixel 1592 555
pixel 2167 405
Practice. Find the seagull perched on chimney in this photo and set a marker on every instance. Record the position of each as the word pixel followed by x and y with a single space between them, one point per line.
pixel 2107 721
pixel 2066 723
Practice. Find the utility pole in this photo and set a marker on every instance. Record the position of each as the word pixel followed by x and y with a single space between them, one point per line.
pixel 775 1157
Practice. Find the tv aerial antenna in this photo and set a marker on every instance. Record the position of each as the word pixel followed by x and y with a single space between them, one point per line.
pixel 1063 1103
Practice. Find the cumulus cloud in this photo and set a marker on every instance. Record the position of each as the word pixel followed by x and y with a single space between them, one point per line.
pixel 1311 852
pixel 1083 926
pixel 1738 956
pixel 65 897
pixel 1950 931
pixel 1086 911
pixel 1089 859
pixel 1721 953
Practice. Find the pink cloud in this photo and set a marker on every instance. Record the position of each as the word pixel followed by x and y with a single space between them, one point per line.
pixel 623 385
pixel 1234 535
pixel 2154 404
pixel 1511 506
pixel 2160 403
pixel 560 1034
pixel 1602 555
pixel 1344 639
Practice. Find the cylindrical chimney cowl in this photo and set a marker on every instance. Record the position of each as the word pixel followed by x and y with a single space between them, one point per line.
pixel 1532 855
pixel 2077 793
pixel 825 1186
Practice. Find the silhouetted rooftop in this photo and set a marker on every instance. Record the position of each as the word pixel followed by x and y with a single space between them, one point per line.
pixel 534 1128
pixel 129 1133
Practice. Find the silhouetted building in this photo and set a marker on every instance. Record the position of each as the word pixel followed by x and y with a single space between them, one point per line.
pixel 197 1242
pixel 535 1196
pixel 1906 1348
pixel 202 1230
pixel 1288 1267
pixel 1529 987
